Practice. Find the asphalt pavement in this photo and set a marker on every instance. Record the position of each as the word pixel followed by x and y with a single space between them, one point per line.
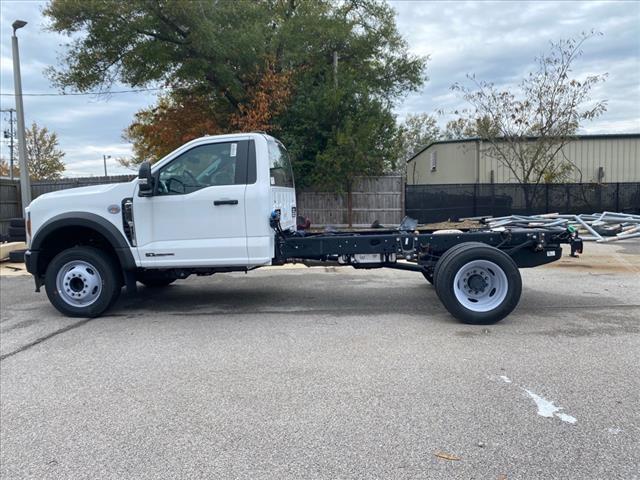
pixel 328 373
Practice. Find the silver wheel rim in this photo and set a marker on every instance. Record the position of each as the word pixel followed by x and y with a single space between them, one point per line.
pixel 79 283
pixel 480 285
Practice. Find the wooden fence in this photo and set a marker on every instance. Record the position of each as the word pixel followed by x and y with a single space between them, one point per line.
pixel 9 203
pixel 373 198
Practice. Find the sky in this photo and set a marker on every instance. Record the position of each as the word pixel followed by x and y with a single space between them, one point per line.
pixel 496 41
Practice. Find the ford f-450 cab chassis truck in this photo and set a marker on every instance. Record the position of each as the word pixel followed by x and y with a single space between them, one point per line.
pixel 228 203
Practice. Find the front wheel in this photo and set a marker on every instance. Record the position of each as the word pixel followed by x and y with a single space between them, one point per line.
pixel 82 282
pixel 479 284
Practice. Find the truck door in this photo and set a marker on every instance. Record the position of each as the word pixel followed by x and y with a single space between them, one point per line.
pixel 196 216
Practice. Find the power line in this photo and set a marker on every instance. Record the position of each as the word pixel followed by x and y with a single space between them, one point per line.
pixel 81 93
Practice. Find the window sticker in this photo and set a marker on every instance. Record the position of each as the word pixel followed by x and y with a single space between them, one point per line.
pixel 273 181
pixel 234 149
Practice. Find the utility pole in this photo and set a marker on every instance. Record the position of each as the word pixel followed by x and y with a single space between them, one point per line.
pixel 104 159
pixel 10 135
pixel 25 184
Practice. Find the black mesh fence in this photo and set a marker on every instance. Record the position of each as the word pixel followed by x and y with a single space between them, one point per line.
pixel 435 203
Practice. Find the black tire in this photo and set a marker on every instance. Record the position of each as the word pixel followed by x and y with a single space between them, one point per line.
pixel 107 270
pixel 17 223
pixel 452 264
pixel 17 231
pixel 449 253
pixel 17 256
pixel 19 238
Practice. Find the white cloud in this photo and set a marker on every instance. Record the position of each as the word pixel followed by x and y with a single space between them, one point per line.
pixel 498 42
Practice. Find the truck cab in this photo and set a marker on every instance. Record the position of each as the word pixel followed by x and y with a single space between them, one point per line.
pixel 208 204
pixel 203 208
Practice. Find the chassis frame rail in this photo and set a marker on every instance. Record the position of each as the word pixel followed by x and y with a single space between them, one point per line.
pixel 529 247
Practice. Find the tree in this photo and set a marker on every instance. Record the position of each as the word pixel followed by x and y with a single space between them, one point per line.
pixel 526 128
pixel 4 168
pixel 415 133
pixel 360 145
pixel 44 158
pixel 266 100
pixel 303 70
pixel 183 115
pixel 177 118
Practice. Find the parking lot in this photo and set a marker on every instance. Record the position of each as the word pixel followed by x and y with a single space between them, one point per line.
pixel 328 373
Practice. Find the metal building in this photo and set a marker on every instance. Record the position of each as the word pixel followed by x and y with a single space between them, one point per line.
pixel 597 159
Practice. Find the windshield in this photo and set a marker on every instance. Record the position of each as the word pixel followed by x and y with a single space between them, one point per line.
pixel 279 165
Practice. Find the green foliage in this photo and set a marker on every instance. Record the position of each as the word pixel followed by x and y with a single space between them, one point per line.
pixel 221 50
pixel 359 145
pixel 415 133
pixel 465 127
pixel 44 157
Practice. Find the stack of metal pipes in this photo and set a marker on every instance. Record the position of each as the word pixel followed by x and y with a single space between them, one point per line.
pixel 600 227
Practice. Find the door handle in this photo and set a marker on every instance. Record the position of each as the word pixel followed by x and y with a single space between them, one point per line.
pixel 225 202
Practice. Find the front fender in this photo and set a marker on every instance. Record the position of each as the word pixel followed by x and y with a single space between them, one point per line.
pixel 87 220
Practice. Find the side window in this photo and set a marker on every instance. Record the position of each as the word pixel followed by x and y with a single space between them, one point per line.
pixel 279 165
pixel 200 167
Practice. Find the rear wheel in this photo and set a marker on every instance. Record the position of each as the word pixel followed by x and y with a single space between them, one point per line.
pixel 82 282
pixel 479 284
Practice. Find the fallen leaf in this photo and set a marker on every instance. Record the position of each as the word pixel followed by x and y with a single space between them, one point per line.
pixel 446 456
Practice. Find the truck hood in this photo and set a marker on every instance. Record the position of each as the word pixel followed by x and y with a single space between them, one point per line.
pixel 81 191
pixel 93 199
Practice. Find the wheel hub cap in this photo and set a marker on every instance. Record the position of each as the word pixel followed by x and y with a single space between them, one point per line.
pixel 476 283
pixel 79 283
pixel 480 285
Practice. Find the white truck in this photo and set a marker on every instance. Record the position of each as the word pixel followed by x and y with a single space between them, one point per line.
pixel 228 203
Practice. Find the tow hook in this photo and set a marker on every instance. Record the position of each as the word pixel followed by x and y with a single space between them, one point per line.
pixel 575 242
pixel 576 246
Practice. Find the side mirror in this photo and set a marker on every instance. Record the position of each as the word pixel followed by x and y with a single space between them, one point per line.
pixel 145 180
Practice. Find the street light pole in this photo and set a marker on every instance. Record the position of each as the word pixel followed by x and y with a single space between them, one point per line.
pixel 104 159
pixel 25 184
